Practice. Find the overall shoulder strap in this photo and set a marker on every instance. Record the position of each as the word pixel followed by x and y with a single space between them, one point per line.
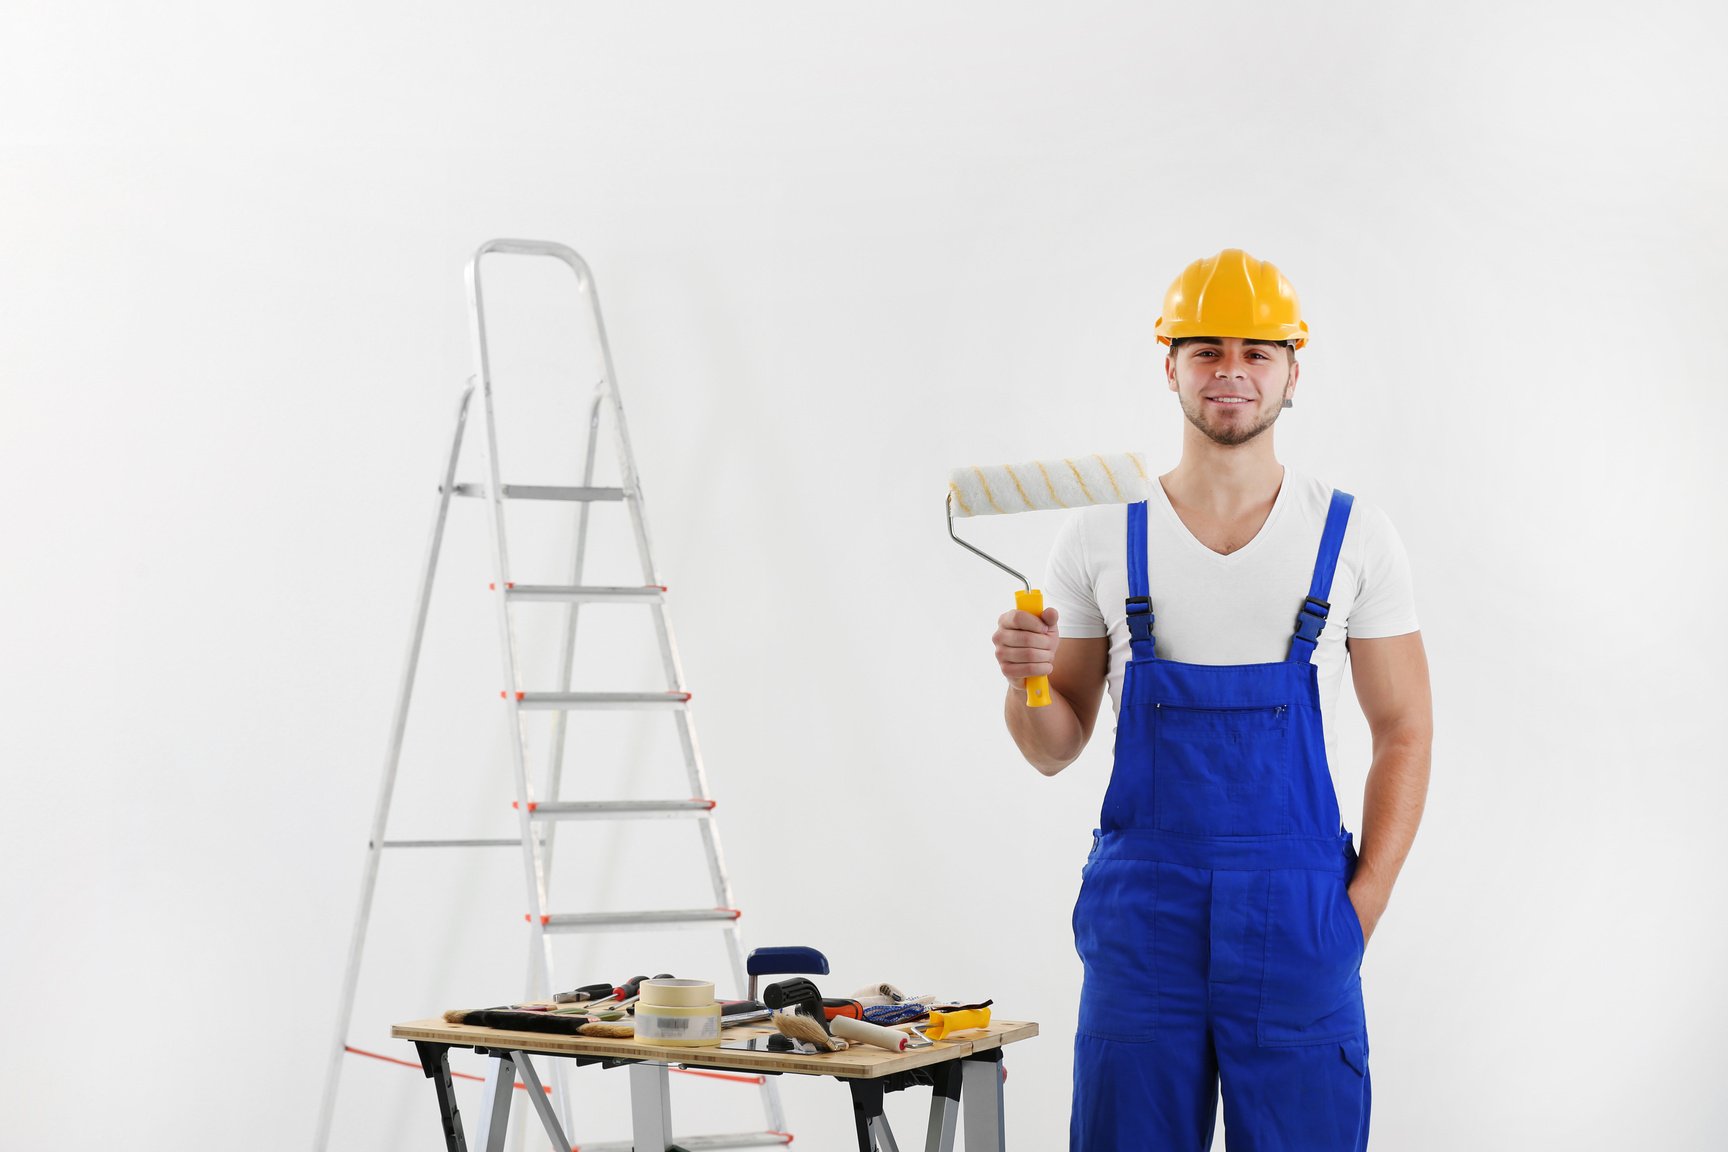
pixel 1311 620
pixel 1141 644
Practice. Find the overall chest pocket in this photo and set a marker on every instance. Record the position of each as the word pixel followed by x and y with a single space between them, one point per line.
pixel 1221 771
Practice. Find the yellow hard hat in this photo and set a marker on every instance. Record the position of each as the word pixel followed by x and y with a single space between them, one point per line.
pixel 1232 294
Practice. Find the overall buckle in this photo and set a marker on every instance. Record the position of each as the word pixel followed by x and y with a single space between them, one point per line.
pixel 1311 620
pixel 1139 618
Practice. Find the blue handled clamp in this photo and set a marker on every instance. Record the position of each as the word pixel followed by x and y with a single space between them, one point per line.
pixel 776 961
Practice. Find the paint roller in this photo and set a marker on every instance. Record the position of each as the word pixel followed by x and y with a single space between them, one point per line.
pixel 1042 484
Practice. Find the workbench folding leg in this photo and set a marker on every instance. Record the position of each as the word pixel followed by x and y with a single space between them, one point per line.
pixel 650 1108
pixel 874 1135
pixel 500 1088
pixel 983 1093
pixel 537 1097
pixel 944 1109
pixel 435 1062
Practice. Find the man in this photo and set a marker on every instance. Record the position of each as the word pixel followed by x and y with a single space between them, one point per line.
pixel 1224 912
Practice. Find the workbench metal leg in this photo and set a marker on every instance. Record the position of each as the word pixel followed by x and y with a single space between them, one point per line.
pixel 537 1097
pixel 944 1109
pixel 435 1062
pixel 874 1135
pixel 495 1118
pixel 650 1108
pixel 866 1106
pixel 983 1095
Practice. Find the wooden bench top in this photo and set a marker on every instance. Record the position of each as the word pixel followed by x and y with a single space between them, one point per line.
pixel 860 1061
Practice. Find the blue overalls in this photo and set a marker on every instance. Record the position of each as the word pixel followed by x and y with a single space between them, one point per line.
pixel 1218 939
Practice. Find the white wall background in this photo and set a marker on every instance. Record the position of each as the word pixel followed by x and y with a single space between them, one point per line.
pixel 842 250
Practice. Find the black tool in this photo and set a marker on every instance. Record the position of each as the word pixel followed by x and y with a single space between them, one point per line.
pixel 627 992
pixel 584 994
pixel 774 1043
pixel 832 1007
pixel 796 995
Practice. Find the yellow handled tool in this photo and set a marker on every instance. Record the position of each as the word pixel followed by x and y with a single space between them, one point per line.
pixel 1041 484
pixel 943 1023
pixel 1037 687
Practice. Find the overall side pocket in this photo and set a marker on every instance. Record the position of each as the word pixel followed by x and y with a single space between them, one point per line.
pixel 1311 992
pixel 1113 926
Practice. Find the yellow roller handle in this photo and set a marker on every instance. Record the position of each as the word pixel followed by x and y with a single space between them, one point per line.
pixel 1037 687
pixel 942 1023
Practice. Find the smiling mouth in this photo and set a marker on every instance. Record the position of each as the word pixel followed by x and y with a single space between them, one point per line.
pixel 1228 399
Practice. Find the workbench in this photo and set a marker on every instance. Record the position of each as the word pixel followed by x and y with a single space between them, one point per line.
pixel 971 1061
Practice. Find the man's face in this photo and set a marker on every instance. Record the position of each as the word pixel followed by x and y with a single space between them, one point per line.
pixel 1231 389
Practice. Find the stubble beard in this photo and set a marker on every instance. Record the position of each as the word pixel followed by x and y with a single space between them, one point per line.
pixel 1229 437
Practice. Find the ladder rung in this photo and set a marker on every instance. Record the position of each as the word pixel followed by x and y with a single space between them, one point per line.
pixel 601 701
pixel 583 595
pixel 510 843
pixel 695 1143
pixel 619 809
pixel 609 921
pixel 543 492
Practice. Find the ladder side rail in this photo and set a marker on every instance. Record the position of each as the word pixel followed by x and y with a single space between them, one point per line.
pixel 698 781
pixel 769 1089
pixel 634 499
pixel 636 502
pixel 695 772
pixel 552 782
pixel 387 781
pixel 698 777
pixel 534 876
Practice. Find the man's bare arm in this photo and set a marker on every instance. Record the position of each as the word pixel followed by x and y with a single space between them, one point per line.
pixel 1391 678
pixel 1051 737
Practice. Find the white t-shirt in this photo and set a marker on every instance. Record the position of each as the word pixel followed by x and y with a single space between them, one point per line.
pixel 1235 609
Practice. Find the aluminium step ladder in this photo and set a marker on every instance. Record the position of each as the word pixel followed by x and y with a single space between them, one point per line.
pixel 537 819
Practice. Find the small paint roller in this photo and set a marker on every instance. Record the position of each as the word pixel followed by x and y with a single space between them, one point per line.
pixel 943 1023
pixel 1042 484
pixel 857 1030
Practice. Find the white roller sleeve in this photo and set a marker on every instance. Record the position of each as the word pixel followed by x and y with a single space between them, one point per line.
pixel 1071 483
pixel 864 1033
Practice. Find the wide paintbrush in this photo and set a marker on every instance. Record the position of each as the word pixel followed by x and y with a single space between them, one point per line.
pixel 559 1023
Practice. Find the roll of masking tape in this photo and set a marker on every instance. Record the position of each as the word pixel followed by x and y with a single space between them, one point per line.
pixel 669 993
pixel 691 1025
